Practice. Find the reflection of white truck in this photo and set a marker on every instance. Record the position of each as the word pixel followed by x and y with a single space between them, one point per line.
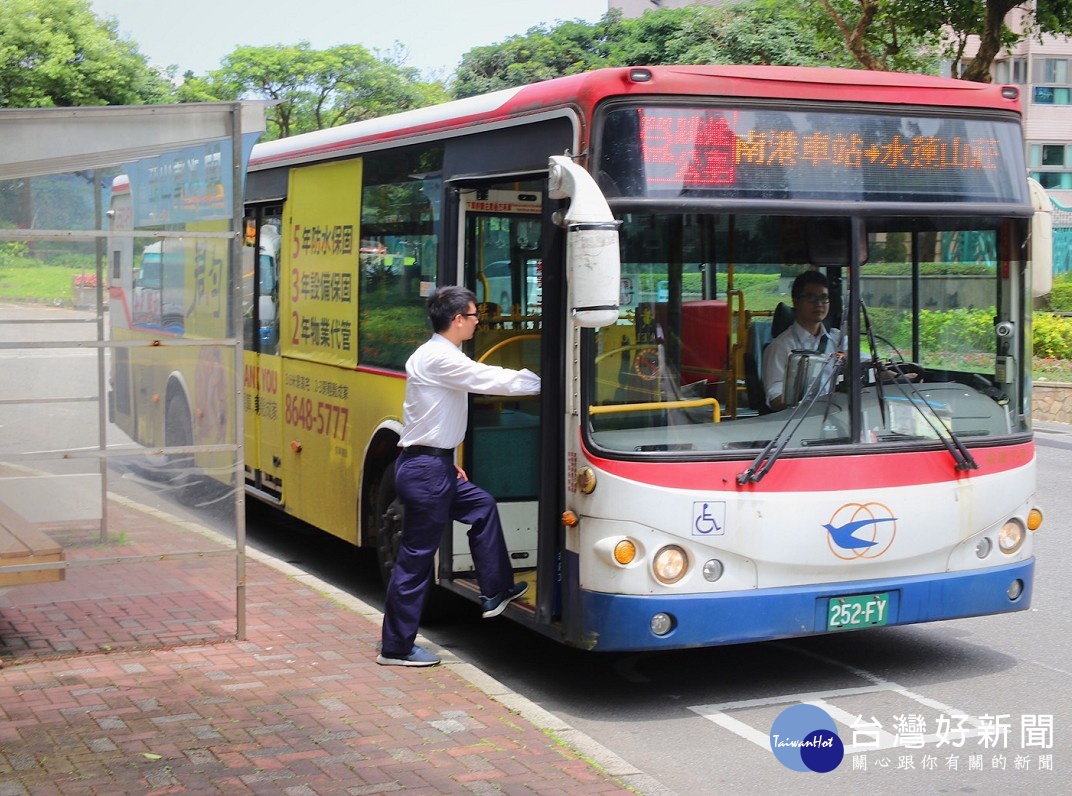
pixel 265 289
pixel 159 287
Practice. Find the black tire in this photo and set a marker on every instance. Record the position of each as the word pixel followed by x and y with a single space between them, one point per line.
pixel 389 523
pixel 179 432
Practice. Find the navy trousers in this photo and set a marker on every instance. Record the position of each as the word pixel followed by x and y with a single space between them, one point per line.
pixel 432 495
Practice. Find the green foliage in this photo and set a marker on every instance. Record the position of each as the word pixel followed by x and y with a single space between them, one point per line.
pixel 895 35
pixel 777 32
pixel 57 53
pixel 956 330
pixel 13 253
pixel 24 279
pixel 390 333
pixel 1052 336
pixel 928 269
pixel 542 53
pixel 315 89
pixel 761 291
pixel 1060 298
pixel 882 34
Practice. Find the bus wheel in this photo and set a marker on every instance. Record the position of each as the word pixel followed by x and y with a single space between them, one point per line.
pixel 389 512
pixel 179 432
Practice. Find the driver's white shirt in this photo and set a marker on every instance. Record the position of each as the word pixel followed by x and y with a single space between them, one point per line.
pixel 776 357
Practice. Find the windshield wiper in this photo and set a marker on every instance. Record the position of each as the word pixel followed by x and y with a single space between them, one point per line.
pixel 870 332
pixel 762 464
pixel 960 453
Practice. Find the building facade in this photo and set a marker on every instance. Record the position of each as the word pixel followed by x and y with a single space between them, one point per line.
pixel 1042 69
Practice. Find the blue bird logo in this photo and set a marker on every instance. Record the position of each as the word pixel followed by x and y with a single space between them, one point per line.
pixel 843 534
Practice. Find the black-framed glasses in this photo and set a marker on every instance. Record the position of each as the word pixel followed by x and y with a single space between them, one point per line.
pixel 469 314
pixel 816 299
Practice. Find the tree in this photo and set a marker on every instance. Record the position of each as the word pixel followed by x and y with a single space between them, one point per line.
pixel 754 32
pixel 316 89
pixel 872 29
pixel 57 53
pixel 541 53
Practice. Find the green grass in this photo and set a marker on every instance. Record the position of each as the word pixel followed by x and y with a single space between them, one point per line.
pixel 39 284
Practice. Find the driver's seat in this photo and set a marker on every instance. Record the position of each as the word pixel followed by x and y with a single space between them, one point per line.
pixel 784 316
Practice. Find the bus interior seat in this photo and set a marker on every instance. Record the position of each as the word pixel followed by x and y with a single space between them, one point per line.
pixel 760 335
pixel 784 316
pixel 705 341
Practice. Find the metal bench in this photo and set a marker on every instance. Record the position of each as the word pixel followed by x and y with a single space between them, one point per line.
pixel 23 544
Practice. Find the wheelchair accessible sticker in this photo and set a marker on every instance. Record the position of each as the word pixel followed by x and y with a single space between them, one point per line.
pixel 709 518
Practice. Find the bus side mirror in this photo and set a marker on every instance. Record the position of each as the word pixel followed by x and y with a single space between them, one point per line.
pixel 1041 240
pixel 593 261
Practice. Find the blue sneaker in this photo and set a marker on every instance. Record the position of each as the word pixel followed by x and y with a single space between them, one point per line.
pixel 493 606
pixel 418 656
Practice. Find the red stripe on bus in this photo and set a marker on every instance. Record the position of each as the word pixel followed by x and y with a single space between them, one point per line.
pixel 862 471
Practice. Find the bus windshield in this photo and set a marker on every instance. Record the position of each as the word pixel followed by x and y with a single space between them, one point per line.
pixel 703 297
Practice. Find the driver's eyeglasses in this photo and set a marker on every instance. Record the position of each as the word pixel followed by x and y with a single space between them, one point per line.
pixel 469 314
pixel 816 299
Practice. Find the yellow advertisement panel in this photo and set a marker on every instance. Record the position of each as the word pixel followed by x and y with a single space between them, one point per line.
pixel 261 399
pixel 319 435
pixel 320 264
pixel 207 284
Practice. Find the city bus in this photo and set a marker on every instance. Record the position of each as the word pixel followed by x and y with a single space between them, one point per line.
pixel 632 235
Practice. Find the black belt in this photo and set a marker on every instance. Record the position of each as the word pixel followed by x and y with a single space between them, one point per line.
pixel 425 450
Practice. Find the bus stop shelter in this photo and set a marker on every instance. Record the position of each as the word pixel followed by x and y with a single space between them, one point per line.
pixel 82 500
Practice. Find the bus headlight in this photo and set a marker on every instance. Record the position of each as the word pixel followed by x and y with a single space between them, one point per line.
pixel 670 564
pixel 1011 536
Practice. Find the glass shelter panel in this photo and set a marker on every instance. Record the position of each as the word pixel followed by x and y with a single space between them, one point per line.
pixel 121 343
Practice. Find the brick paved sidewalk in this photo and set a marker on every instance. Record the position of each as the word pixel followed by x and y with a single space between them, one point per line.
pixel 299 707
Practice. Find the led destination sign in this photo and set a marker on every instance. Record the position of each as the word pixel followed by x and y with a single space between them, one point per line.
pixel 660 151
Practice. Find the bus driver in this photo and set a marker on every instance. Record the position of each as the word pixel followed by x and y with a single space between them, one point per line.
pixel 811 304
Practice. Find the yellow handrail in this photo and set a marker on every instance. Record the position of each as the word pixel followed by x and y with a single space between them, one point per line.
pixel 607 409
pixel 506 342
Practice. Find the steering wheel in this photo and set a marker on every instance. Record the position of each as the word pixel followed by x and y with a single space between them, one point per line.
pixel 896 368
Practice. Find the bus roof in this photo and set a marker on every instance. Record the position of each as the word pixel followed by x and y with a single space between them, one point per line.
pixel 585 91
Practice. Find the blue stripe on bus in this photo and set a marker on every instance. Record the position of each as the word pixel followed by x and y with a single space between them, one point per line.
pixel 616 622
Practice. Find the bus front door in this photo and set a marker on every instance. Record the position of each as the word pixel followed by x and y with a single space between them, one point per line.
pixel 262 378
pixel 501 232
